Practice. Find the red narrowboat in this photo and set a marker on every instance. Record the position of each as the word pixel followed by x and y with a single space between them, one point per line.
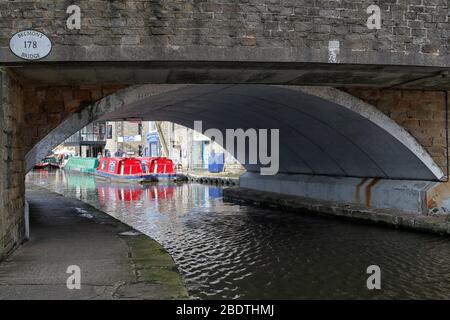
pixel 41 165
pixel 47 162
pixel 161 168
pixel 139 170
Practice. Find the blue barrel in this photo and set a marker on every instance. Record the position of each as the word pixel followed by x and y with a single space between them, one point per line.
pixel 216 162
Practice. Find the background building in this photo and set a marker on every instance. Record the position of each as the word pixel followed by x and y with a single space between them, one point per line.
pixel 126 138
pixel 89 141
pixel 188 149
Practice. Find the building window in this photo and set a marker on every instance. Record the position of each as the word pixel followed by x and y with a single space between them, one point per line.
pixel 109 132
pixel 102 131
pixel 139 129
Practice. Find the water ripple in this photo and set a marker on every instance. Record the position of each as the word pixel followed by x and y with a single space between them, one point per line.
pixel 231 251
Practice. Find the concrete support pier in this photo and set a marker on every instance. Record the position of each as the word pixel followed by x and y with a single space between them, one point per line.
pixel 438 224
pixel 412 204
pixel 115 261
pixel 407 195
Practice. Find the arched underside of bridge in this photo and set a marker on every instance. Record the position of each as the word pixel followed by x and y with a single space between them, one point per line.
pixel 332 145
pixel 323 131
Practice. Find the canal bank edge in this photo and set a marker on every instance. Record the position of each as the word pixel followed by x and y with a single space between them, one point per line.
pixel 150 263
pixel 388 217
pixel 213 179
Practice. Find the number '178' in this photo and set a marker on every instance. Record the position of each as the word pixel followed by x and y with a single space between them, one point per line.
pixel 30 44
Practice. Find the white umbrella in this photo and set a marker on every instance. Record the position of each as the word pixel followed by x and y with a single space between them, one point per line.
pixel 64 151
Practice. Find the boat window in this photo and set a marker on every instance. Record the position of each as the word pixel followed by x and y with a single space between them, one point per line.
pixel 112 166
pixel 144 167
pixel 103 167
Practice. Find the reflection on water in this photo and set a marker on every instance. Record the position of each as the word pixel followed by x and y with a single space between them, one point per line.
pixel 225 250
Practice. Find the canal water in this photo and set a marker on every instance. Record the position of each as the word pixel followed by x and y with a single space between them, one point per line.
pixel 225 250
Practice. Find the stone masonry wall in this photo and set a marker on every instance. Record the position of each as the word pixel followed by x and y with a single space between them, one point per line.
pixel 28 114
pixel 46 107
pixel 408 26
pixel 421 113
pixel 12 171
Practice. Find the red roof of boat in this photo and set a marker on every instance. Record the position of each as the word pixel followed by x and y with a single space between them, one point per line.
pixel 136 166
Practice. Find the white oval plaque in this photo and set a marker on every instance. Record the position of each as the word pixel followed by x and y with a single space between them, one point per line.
pixel 30 45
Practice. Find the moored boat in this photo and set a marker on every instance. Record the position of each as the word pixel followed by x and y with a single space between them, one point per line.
pixel 48 162
pixel 161 168
pixel 54 162
pixel 41 165
pixel 122 169
pixel 85 165
pixel 140 170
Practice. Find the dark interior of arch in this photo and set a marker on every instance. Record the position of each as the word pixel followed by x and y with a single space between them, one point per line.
pixel 316 136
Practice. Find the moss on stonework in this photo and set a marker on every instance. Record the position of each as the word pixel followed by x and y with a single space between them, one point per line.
pixel 154 265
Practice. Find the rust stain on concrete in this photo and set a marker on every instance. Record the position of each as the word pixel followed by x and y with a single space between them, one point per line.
pixel 369 191
pixel 358 190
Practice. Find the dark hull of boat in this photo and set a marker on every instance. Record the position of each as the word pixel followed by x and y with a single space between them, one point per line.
pixel 41 166
pixel 127 178
pixel 147 178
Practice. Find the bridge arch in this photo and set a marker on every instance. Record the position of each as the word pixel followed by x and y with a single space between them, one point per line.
pixel 323 131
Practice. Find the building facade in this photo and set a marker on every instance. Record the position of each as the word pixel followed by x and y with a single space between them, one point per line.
pixel 89 141
pixel 188 149
pixel 126 138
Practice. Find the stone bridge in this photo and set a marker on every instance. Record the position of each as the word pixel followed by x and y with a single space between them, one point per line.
pixel 354 105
